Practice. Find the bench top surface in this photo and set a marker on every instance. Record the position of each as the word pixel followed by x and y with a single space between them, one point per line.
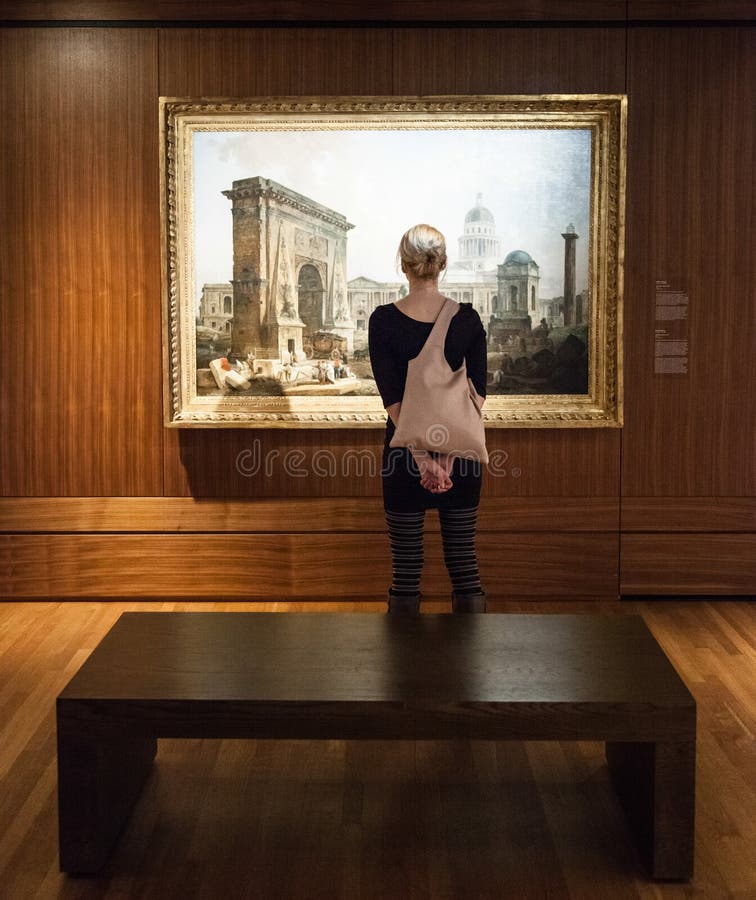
pixel 332 657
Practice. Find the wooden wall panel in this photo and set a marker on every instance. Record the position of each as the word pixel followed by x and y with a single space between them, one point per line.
pixel 13 396
pixel 686 10
pixel 703 514
pixel 711 564
pixel 690 221
pixel 509 60
pixel 80 379
pixel 29 515
pixel 316 10
pixel 346 463
pixel 289 566
pixel 443 11
pixel 249 62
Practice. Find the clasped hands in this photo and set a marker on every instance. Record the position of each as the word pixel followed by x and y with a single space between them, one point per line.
pixel 435 471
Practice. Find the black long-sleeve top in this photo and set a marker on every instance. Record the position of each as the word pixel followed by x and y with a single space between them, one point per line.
pixel 394 338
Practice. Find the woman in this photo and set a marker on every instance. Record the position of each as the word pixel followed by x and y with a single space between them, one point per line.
pixel 415 480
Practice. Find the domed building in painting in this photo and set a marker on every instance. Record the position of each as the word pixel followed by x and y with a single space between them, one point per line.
pixel 472 277
pixel 479 247
pixel 519 257
pixel 518 278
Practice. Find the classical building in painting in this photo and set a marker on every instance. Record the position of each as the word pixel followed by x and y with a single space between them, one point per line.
pixel 517 302
pixel 216 308
pixel 553 309
pixel 471 278
pixel 364 295
pixel 517 278
pixel 289 274
pixel 479 247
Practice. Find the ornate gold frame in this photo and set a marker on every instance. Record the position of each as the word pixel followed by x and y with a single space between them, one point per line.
pixel 605 115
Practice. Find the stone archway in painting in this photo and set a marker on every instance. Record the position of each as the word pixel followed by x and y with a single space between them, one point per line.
pixel 289 268
pixel 311 292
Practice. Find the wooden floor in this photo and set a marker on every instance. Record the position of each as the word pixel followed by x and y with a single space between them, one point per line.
pixel 372 819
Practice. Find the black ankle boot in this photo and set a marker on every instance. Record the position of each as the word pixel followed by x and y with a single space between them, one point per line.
pixel 398 603
pixel 469 603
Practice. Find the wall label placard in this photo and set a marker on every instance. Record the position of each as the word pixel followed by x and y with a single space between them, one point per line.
pixel 671 331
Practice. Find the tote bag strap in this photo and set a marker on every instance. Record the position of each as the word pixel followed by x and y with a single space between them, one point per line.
pixel 437 335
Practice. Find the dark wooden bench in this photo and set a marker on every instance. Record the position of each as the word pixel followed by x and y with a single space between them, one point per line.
pixel 367 675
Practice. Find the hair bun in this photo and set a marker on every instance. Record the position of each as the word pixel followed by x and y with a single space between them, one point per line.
pixel 423 251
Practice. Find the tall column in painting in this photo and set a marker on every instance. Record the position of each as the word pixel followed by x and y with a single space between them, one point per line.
pixel 249 212
pixel 569 275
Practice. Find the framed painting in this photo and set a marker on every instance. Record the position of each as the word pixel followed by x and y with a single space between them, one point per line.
pixel 281 219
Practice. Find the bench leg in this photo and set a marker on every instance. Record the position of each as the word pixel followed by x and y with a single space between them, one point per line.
pixel 655 783
pixel 99 781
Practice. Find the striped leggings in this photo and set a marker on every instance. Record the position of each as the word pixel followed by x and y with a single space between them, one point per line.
pixel 458 540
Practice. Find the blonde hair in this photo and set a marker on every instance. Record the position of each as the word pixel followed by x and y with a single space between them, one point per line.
pixel 422 249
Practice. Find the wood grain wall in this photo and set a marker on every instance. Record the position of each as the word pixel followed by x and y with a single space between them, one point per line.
pixel 485 12
pixel 690 221
pixel 98 499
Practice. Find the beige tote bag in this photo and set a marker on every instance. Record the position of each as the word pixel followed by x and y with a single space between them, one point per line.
pixel 440 408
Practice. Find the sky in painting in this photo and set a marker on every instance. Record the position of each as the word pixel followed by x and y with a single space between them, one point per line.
pixel 535 182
